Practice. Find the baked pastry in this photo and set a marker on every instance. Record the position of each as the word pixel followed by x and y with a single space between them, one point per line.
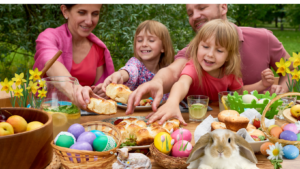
pixel 225 113
pixel 129 127
pixel 217 125
pixel 235 123
pixel 250 127
pixel 168 125
pixel 102 106
pixel 118 92
pixel 256 132
pixel 145 136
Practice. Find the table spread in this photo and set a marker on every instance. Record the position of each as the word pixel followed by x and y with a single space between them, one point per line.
pixel 263 162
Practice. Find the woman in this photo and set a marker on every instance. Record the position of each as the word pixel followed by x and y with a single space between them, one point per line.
pixel 84 55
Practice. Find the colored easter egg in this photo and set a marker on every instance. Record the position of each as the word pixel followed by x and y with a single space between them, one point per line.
pixel 284 125
pixel 182 148
pixel 81 145
pixel 181 134
pixel 76 129
pixel 290 152
pixel 97 133
pixel 64 139
pixel 271 126
pixel 247 98
pixel 288 135
pixel 291 127
pixel 162 141
pixel 264 147
pixel 276 131
pixel 298 137
pixel 87 137
pixel 104 143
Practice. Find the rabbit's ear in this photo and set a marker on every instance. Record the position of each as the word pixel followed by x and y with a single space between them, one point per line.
pixel 245 148
pixel 198 150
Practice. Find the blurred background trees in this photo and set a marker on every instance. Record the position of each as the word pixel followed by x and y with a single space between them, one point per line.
pixel 20 25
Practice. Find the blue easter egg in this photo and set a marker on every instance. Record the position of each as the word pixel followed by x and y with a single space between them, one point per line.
pixel 290 152
pixel 97 133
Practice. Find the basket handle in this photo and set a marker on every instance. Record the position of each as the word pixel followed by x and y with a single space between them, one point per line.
pixel 270 103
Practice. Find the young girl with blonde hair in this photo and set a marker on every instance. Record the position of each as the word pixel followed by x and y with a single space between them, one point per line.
pixel 153 50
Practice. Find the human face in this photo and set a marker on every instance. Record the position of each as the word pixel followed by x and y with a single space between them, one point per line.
pixel 211 57
pixel 82 18
pixel 199 14
pixel 148 46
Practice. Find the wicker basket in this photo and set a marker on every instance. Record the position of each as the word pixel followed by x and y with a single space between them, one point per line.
pixel 90 159
pixel 167 161
pixel 265 130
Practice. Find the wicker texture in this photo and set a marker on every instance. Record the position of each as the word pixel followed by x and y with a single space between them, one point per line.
pixel 265 129
pixel 90 159
pixel 167 161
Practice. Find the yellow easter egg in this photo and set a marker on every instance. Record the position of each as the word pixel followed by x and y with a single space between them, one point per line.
pixel 162 141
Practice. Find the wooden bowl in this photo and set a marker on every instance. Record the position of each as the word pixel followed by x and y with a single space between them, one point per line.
pixel 29 149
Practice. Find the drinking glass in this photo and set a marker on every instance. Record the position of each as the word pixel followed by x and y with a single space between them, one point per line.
pixel 288 102
pixel 223 101
pixel 197 107
pixel 59 102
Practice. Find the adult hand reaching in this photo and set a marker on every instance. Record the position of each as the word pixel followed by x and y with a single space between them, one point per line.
pixel 99 91
pixel 278 89
pixel 82 96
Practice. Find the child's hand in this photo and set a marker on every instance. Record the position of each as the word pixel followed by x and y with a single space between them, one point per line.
pixel 166 112
pixel 98 90
pixel 267 77
pixel 113 78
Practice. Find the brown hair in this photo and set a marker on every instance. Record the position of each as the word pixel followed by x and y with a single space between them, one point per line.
pixel 161 31
pixel 225 35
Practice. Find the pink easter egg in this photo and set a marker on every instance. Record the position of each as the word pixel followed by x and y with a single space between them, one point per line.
pixel 182 149
pixel 180 134
pixel 291 127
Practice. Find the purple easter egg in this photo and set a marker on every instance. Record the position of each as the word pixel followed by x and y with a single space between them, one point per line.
pixel 76 129
pixel 87 137
pixel 291 127
pixel 288 135
pixel 82 145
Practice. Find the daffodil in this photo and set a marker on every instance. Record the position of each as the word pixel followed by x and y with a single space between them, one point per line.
pixel 33 87
pixel 295 59
pixel 19 79
pixel 295 74
pixel 6 85
pixel 18 92
pixel 275 151
pixel 42 93
pixel 42 83
pixel 35 75
pixel 283 67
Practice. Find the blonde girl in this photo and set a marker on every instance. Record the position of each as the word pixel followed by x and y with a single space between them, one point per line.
pixel 153 50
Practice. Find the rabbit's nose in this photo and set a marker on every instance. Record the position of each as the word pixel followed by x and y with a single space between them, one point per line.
pixel 220 151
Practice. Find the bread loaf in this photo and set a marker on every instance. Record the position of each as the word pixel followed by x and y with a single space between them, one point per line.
pixel 169 125
pixel 102 106
pixel 118 92
pixel 225 113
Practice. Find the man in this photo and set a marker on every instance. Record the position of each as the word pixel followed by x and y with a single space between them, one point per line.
pixel 259 50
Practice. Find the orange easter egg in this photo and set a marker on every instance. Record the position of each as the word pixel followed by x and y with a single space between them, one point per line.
pixel 284 125
pixel 276 131
pixel 264 147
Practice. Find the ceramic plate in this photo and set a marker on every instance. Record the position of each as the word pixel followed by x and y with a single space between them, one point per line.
pixel 124 106
pixel 288 116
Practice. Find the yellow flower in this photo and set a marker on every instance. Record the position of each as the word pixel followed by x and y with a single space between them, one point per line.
pixel 6 85
pixel 18 92
pixel 35 75
pixel 295 74
pixel 295 59
pixel 33 87
pixel 19 79
pixel 42 93
pixel 42 83
pixel 283 67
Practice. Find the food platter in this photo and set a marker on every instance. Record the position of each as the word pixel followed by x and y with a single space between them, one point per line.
pixel 288 116
pixel 124 106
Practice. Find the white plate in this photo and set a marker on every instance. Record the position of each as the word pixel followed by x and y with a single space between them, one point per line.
pixel 124 106
pixel 256 145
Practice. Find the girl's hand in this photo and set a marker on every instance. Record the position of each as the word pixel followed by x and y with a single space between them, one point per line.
pixel 267 77
pixel 166 112
pixel 98 90
pixel 113 78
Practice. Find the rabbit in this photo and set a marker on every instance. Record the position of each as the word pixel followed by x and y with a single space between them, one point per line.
pixel 222 149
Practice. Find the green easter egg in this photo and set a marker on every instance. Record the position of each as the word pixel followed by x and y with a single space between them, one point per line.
pixel 64 139
pixel 298 137
pixel 104 143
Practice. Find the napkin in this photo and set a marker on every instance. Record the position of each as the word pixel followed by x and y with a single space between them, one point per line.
pixel 205 126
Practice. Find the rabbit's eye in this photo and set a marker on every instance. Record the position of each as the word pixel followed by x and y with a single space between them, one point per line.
pixel 228 140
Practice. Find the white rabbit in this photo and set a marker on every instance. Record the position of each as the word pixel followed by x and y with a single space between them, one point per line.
pixel 222 149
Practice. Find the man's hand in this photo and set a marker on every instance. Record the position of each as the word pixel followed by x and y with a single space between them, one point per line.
pixel 267 77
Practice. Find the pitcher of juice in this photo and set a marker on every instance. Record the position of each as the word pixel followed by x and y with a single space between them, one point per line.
pixel 59 102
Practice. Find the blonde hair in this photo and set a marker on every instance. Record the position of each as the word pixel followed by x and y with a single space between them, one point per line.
pixel 162 33
pixel 225 35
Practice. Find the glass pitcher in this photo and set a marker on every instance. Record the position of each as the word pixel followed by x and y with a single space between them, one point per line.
pixel 59 102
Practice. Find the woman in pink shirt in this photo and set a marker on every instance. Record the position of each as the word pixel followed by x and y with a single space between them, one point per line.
pixel 84 55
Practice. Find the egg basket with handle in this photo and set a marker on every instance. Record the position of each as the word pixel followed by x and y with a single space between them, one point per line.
pixel 265 129
pixel 90 159
pixel 237 104
pixel 167 161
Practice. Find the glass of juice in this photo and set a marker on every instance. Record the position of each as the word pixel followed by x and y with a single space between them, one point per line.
pixel 59 102
pixel 223 101
pixel 197 107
